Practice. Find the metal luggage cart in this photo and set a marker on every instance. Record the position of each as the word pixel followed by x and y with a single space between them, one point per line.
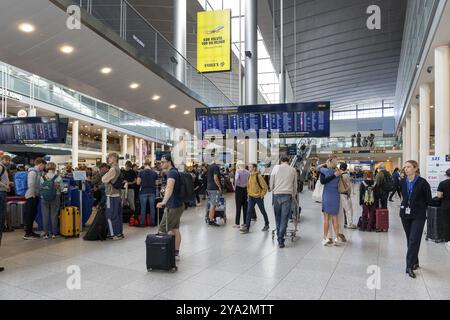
pixel 220 210
pixel 293 223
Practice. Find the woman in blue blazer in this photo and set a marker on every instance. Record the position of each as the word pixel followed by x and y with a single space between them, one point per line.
pixel 416 194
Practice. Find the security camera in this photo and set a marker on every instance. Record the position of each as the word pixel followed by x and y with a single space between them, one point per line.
pixel 430 69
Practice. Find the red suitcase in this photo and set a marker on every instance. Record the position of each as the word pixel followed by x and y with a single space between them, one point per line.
pixel 382 220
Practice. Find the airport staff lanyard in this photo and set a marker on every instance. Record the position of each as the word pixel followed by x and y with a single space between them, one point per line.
pixel 410 188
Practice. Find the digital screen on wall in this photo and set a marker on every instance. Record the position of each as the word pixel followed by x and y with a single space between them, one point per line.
pixel 289 120
pixel 33 130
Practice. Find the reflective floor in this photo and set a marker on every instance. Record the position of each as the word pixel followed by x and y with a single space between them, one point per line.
pixel 220 263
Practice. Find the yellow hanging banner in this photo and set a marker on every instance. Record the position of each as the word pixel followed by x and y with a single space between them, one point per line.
pixel 214 41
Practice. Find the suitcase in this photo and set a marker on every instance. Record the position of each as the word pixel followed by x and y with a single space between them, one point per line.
pixel 382 220
pixel 160 250
pixel 14 214
pixel 435 225
pixel 70 222
pixel 98 230
pixel 159 214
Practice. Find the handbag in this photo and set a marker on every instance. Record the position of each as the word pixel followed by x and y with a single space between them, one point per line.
pixel 318 191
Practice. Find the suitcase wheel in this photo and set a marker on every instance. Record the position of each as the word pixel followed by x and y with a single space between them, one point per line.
pixel 174 269
pixel 149 270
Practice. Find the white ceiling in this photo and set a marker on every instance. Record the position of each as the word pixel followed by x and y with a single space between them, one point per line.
pixel 39 53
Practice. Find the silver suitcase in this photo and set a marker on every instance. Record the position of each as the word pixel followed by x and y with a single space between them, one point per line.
pixel 14 214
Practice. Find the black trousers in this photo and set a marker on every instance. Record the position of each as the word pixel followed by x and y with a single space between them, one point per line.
pixel 399 192
pixel 29 214
pixel 383 201
pixel 241 198
pixel 414 231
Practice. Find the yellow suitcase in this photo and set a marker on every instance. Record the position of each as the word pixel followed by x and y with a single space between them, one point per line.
pixel 70 222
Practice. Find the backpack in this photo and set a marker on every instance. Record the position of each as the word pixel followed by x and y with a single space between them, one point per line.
pixel 21 182
pixel 257 181
pixel 48 190
pixel 388 183
pixel 369 198
pixel 118 183
pixel 343 186
pixel 186 186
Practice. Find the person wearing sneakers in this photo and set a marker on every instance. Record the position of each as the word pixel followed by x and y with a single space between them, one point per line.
pixel 330 199
pixel 283 184
pixel 51 185
pixel 32 196
pixel 214 190
pixel 241 198
pixel 113 201
pixel 345 190
pixel 170 222
pixel 256 190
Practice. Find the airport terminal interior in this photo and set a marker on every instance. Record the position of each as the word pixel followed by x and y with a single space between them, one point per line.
pixel 225 150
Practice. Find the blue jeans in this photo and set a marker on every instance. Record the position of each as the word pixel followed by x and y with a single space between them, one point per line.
pixel 282 209
pixel 143 199
pixel 114 215
pixel 252 202
pixel 2 213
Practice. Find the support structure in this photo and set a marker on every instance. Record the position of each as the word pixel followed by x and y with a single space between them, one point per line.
pixel 179 35
pixel 414 142
pixel 424 136
pixel 104 144
pixel 442 101
pixel 75 136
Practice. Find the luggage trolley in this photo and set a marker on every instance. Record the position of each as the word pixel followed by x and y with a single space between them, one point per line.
pixel 293 223
pixel 220 210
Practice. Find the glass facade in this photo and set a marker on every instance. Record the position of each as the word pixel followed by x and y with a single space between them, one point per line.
pixel 40 89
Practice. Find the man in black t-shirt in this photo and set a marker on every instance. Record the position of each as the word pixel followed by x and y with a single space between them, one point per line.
pixel 130 178
pixel 214 188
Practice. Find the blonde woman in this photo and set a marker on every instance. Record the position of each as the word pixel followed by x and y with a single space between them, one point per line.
pixel 330 199
pixel 416 192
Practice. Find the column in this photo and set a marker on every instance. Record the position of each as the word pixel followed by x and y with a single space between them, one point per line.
pixel 251 67
pixel 104 144
pixel 75 134
pixel 399 163
pixel 404 151
pixel 179 36
pixel 141 152
pixel 414 132
pixel 124 146
pixel 407 143
pixel 153 154
pixel 442 100
pixel 424 145
pixel 282 72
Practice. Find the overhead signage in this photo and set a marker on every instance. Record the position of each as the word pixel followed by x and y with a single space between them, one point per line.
pixel 289 120
pixel 22 114
pixel 437 166
pixel 11 95
pixel 214 41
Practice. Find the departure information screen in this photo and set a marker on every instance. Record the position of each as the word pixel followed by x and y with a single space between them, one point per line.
pixel 33 130
pixel 288 120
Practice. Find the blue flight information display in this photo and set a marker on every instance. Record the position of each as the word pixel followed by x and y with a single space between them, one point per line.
pixel 311 119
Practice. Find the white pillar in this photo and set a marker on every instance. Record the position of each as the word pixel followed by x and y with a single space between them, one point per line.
pixel 424 145
pixel 414 132
pixel 75 133
pixel 153 154
pixel 253 151
pixel 407 143
pixel 162 147
pixel 404 139
pixel 124 146
pixel 141 152
pixel 179 36
pixel 399 163
pixel 442 101
pixel 104 144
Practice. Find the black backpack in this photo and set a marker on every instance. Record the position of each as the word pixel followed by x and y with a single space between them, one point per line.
pixel 388 183
pixel 118 183
pixel 186 188
pixel 99 227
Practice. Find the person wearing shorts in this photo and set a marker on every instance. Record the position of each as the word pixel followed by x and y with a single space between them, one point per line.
pixel 214 190
pixel 174 206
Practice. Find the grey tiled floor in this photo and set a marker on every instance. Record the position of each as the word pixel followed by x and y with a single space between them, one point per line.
pixel 220 263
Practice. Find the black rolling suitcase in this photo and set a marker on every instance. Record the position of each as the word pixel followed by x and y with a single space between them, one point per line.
pixel 160 250
pixel 435 225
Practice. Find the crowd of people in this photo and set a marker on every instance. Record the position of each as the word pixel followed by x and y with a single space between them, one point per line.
pixel 139 190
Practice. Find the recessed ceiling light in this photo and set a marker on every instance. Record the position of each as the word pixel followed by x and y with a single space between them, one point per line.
pixel 156 97
pixel 187 112
pixel 134 85
pixel 173 106
pixel 431 107
pixel 66 49
pixel 26 27
pixel 106 70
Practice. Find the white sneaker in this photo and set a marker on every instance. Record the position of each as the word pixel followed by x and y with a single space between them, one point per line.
pixel 325 242
pixel 337 241
pixel 448 244
pixel 45 236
